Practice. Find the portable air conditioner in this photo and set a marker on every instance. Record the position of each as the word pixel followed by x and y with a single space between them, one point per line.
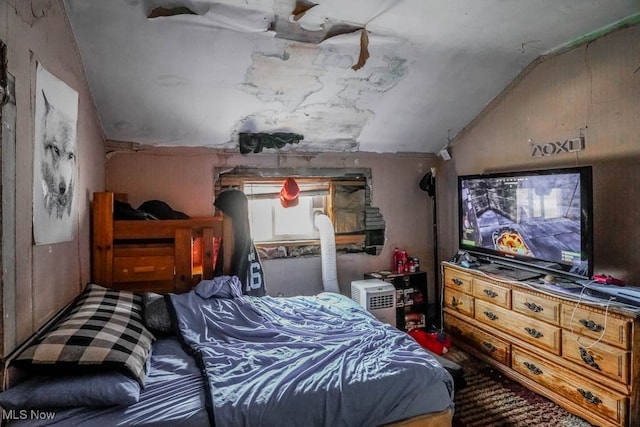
pixel 378 297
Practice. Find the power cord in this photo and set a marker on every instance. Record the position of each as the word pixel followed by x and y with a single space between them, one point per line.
pixel 604 327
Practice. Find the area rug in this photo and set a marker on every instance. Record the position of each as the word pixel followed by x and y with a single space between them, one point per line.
pixel 490 399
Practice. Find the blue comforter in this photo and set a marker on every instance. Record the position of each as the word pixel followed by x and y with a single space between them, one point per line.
pixel 305 361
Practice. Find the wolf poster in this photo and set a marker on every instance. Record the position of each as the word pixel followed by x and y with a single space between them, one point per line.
pixel 55 171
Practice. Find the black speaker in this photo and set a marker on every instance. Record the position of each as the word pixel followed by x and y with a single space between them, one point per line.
pixel 428 184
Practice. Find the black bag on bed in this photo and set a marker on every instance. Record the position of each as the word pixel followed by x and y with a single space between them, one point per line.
pixel 161 210
pixel 124 211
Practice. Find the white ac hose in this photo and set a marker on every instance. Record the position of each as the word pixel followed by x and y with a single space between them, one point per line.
pixel 327 253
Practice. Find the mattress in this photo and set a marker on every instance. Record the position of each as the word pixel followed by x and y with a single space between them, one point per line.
pixel 300 361
pixel 173 396
pixel 239 360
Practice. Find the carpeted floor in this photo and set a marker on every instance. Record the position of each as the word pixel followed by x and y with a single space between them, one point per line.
pixel 489 399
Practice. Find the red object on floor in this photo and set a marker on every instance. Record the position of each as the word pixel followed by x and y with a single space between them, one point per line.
pixel 436 342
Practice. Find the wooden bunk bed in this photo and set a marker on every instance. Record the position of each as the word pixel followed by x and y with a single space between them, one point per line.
pixel 151 255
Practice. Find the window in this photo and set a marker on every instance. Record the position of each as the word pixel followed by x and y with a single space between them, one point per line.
pixel 342 194
pixel 271 222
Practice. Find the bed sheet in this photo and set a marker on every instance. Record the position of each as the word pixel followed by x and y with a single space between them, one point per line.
pixel 173 396
pixel 307 361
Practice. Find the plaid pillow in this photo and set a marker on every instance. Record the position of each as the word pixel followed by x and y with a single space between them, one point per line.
pixel 104 329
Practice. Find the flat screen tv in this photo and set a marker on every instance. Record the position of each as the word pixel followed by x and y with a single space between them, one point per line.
pixel 540 219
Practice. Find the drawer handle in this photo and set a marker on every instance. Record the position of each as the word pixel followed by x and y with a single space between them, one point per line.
pixel 455 302
pixel 490 315
pixel 590 397
pixel 457 282
pixel 490 347
pixel 591 325
pixel 144 269
pixel 534 333
pixel 533 307
pixel 490 293
pixel 588 359
pixel 533 368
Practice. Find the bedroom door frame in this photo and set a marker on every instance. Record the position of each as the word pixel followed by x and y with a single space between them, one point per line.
pixel 8 114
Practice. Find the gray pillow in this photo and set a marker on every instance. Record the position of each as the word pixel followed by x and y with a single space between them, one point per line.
pixel 220 287
pixel 156 314
pixel 99 389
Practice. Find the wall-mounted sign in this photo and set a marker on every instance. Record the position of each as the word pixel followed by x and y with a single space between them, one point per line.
pixel 557 147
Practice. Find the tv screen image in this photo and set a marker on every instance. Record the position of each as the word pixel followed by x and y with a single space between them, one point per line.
pixel 541 218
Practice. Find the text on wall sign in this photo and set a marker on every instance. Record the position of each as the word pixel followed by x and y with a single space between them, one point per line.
pixel 551 148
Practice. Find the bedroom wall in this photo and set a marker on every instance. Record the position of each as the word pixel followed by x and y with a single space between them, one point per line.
pixel 594 89
pixel 184 178
pixel 47 276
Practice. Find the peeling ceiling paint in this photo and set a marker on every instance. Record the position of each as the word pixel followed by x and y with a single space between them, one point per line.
pixel 287 79
pixel 199 72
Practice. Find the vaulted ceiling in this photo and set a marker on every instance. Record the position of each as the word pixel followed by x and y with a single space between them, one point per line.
pixel 348 75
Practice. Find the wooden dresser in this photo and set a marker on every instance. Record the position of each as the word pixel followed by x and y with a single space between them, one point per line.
pixel 585 357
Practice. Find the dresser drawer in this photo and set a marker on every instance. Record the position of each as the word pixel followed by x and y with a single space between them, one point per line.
pixel 143 268
pixel 582 322
pixel 536 307
pixel 458 301
pixel 601 358
pixel 493 293
pixel 594 398
pixel 457 280
pixel 488 344
pixel 539 333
